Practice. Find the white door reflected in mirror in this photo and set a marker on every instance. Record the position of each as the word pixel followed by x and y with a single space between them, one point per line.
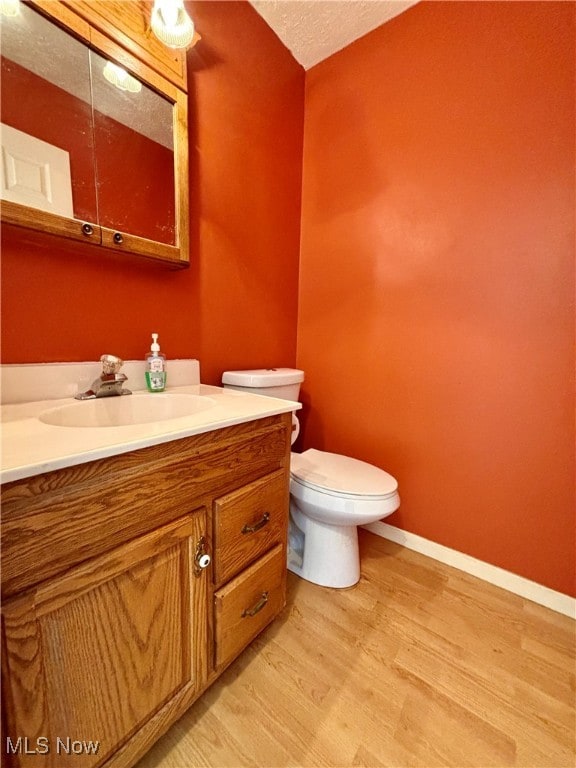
pixel 35 173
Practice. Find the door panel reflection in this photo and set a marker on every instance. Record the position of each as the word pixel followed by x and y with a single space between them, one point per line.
pixel 46 94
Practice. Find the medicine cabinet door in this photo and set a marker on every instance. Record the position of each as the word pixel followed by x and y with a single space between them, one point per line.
pixel 47 129
pixel 90 149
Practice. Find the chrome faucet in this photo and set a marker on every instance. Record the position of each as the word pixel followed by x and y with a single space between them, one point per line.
pixel 109 383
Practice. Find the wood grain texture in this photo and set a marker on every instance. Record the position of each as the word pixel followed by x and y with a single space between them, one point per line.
pixel 108 627
pixel 245 605
pixel 108 645
pixel 108 502
pixel 49 223
pixel 143 247
pixel 419 665
pixel 235 549
pixel 129 24
pixel 181 175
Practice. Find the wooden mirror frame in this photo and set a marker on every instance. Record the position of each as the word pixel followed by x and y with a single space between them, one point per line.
pixel 23 216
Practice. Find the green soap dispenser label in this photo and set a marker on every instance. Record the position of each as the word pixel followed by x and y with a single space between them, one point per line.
pixel 156 380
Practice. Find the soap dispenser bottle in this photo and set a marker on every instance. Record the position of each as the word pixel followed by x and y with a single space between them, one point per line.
pixel 155 367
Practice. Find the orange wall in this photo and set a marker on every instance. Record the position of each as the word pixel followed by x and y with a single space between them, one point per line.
pixel 436 318
pixel 236 306
pixel 436 322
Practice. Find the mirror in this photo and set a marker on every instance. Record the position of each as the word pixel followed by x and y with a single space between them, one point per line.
pixel 89 141
pixel 134 154
pixel 47 136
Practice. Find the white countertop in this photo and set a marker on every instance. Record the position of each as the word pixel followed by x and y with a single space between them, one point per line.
pixel 31 447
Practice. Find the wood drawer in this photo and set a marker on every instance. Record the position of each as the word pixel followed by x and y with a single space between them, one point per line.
pixel 247 603
pixel 247 523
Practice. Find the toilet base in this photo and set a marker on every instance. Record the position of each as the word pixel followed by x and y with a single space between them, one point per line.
pixel 324 554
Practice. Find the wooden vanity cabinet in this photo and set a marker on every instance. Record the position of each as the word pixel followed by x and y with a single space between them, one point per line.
pixel 110 627
pixel 93 654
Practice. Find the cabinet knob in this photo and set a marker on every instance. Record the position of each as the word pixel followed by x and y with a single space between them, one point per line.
pixel 201 558
pixel 118 237
pixel 87 229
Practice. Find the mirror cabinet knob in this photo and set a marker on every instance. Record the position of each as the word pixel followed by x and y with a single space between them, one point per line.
pixel 117 237
pixel 87 229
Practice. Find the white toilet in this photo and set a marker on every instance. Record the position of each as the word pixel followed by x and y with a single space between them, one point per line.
pixel 330 494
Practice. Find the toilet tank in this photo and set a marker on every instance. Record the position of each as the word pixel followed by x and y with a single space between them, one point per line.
pixel 273 382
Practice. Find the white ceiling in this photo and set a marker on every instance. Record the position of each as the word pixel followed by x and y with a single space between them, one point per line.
pixel 312 30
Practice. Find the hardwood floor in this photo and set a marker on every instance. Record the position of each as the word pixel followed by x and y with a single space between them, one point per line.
pixel 418 665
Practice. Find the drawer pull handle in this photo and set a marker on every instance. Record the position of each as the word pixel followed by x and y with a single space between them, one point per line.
pixel 257 608
pixel 256 527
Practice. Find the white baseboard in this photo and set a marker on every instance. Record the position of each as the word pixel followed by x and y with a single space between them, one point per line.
pixel 530 590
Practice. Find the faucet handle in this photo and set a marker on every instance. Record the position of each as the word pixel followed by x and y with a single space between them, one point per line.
pixel 111 364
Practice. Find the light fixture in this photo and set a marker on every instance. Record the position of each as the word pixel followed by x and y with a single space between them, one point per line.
pixel 120 78
pixel 9 8
pixel 171 24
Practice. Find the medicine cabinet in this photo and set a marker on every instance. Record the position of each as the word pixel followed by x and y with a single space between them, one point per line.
pixel 94 134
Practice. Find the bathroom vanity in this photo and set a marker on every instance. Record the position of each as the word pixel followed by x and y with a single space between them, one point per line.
pixel 130 582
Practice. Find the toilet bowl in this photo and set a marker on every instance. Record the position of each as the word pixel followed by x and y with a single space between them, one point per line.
pixel 330 494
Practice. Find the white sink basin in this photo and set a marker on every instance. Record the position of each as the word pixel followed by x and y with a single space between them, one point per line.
pixel 126 411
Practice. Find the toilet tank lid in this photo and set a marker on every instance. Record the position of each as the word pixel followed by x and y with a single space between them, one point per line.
pixel 341 474
pixel 263 377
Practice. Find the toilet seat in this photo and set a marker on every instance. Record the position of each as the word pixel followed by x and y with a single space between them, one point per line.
pixel 341 476
pixel 330 496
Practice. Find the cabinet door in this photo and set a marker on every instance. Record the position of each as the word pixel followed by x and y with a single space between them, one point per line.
pixel 91 656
